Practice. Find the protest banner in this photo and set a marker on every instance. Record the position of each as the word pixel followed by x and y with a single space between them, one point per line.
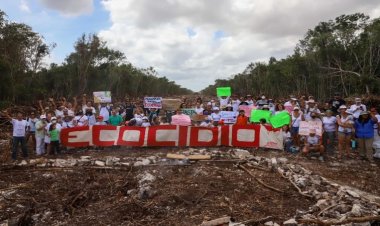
pixel 256 115
pixel 247 109
pixel 171 104
pixel 173 136
pixel 280 119
pixel 229 117
pixel 153 102
pixel 223 91
pixel 306 126
pixel 102 97
pixel 181 120
pixel 188 111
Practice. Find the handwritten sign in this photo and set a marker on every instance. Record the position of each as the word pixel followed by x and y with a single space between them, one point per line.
pixel 229 117
pixel 102 97
pixel 305 128
pixel 181 120
pixel 152 102
pixel 247 109
pixel 171 104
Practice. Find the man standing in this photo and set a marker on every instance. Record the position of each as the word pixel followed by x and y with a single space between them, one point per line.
pixel 357 108
pixel 40 135
pixel 19 129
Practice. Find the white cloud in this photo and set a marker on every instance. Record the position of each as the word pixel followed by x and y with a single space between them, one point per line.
pixel 156 33
pixel 24 7
pixel 70 8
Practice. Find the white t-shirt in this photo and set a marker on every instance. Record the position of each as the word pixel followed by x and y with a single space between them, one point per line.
pixel 309 111
pixel 215 117
pixel 348 119
pixel 58 113
pixel 235 105
pixel 84 107
pixel 199 111
pixel 32 124
pixel 313 140
pixel 357 109
pixel 68 124
pixel 70 112
pixel 81 119
pixel 105 113
pixel 224 101
pixel 329 124
pixel 19 127
pixel 296 121
pixel 378 120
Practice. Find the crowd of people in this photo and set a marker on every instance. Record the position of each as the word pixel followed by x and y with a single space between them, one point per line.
pixel 350 125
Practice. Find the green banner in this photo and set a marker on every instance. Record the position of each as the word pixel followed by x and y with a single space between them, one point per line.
pixel 256 115
pixel 188 111
pixel 280 119
pixel 223 91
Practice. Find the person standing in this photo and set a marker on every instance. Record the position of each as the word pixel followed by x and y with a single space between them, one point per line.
pixel 40 135
pixel 336 102
pixel 32 120
pixel 357 108
pixel 19 131
pixel 364 133
pixel 329 128
pixel 345 127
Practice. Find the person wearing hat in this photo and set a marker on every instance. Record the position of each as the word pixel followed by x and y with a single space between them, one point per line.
pixel 329 123
pixel 336 102
pixel 311 108
pixel 314 143
pixel 345 128
pixel 100 121
pixel 228 108
pixel 297 117
pixel 364 133
pixel 40 135
pixel 215 116
pixel 263 101
pixel 357 108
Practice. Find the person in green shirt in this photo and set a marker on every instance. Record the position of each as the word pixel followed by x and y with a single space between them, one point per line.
pixel 54 139
pixel 115 120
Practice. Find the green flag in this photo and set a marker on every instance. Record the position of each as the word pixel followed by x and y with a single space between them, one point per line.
pixel 223 91
pixel 281 119
pixel 256 115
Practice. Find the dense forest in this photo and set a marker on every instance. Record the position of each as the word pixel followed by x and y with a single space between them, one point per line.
pixel 338 55
pixel 91 67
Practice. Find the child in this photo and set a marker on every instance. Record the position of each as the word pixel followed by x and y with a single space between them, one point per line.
pixel 241 118
pixel 314 143
pixel 54 139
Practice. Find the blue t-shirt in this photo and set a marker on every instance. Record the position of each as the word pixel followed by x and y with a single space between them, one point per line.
pixel 364 130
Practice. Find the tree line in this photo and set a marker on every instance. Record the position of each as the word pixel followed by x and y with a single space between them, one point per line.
pixel 91 67
pixel 338 55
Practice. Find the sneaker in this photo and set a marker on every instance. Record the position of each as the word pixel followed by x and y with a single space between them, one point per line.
pixel 321 159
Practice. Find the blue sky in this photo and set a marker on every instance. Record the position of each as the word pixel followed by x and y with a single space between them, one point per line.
pixel 56 27
pixel 192 42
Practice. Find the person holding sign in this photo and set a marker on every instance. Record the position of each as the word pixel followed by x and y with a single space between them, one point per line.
pixel 314 143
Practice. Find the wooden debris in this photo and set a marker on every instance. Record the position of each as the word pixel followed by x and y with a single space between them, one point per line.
pixel 258 180
pixel 190 157
pixel 216 222
pixel 337 222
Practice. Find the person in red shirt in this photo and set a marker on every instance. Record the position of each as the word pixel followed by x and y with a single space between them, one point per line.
pixel 241 118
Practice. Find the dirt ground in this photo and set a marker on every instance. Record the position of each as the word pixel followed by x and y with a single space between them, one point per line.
pixel 179 195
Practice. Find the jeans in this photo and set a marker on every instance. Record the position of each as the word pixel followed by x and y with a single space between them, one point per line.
pixel 328 141
pixel 22 141
pixel 55 147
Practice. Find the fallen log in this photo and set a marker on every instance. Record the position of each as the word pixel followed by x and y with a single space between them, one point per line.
pixel 190 157
pixel 258 180
pixel 219 221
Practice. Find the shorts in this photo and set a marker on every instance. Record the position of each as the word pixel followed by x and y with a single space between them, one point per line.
pixel 294 130
pixel 344 134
